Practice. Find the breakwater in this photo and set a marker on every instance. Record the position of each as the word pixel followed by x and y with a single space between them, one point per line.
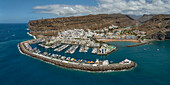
pixel 124 40
pixel 80 66
pixel 138 44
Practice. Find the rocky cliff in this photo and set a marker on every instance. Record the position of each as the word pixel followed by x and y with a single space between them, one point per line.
pixel 50 27
pixel 157 27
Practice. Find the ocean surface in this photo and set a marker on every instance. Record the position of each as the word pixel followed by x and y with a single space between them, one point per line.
pixel 153 64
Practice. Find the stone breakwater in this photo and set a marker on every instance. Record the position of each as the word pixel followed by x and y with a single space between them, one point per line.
pixel 138 44
pixel 124 40
pixel 103 68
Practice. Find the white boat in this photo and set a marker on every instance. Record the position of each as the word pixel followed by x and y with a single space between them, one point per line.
pixel 94 50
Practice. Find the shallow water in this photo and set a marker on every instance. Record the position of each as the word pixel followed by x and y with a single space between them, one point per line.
pixel 17 69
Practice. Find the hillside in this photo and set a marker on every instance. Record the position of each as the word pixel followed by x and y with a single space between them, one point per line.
pixel 157 22
pixel 157 26
pixel 145 18
pixel 50 27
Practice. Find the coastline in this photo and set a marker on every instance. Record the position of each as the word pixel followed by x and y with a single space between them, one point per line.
pixel 125 40
pixel 78 66
pixel 31 35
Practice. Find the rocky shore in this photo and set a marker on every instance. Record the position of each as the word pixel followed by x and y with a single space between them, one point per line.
pixel 100 68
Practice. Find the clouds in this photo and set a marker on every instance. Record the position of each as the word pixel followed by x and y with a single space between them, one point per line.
pixel 135 7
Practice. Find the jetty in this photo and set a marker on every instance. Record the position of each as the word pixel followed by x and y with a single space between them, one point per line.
pixel 81 49
pixel 72 49
pixel 61 48
pixel 138 44
pixel 45 46
pixel 67 63
pixel 84 49
pixel 106 49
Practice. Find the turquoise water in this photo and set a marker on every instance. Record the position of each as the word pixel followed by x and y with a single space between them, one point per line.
pixel 17 69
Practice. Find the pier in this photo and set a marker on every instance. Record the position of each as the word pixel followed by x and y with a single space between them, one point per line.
pixel 72 49
pixel 53 46
pixel 61 48
pixel 106 49
pixel 84 49
pixel 138 44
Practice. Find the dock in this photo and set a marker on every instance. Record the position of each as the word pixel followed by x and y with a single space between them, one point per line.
pixel 84 49
pixel 53 46
pixel 61 48
pixel 72 49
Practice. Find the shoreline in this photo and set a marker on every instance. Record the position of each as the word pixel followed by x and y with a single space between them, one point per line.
pixel 112 40
pixel 31 35
pixel 78 66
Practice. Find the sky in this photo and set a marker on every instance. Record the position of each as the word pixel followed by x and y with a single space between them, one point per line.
pixel 21 11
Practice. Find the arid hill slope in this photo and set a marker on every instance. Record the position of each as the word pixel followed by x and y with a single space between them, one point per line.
pixel 50 27
pixel 155 25
pixel 145 18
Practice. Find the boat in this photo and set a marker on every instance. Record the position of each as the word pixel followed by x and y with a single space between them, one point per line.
pixel 94 50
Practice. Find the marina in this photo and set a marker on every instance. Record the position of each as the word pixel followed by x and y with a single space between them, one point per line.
pixel 73 63
pixel 59 55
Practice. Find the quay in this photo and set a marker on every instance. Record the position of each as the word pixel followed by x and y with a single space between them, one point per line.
pixel 124 65
pixel 106 49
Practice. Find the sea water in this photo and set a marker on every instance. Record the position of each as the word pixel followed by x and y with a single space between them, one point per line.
pixel 18 69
